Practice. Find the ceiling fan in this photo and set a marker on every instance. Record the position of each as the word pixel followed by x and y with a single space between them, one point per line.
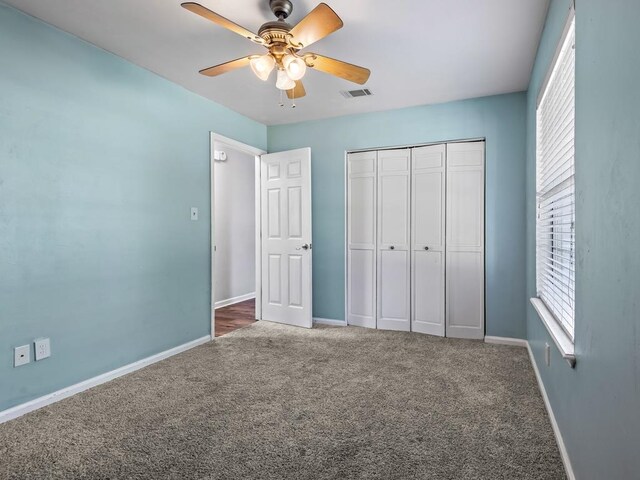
pixel 284 43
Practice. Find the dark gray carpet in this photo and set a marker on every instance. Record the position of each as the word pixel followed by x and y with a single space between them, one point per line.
pixel 277 402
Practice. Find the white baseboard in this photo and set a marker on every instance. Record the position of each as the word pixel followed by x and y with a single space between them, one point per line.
pixel 330 321
pixel 19 410
pixel 518 342
pixel 556 429
pixel 231 301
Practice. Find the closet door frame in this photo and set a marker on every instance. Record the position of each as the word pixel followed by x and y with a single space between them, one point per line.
pixel 383 148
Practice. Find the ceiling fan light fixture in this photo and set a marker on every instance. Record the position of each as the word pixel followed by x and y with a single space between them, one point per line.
pixel 295 66
pixel 262 66
pixel 284 82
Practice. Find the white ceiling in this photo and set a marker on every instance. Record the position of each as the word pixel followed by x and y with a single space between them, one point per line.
pixel 419 51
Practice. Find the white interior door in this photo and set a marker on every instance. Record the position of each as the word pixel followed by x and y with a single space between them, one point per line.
pixel 361 239
pixel 286 237
pixel 465 240
pixel 393 239
pixel 427 239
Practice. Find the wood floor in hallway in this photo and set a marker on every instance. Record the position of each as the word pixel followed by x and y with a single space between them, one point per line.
pixel 235 316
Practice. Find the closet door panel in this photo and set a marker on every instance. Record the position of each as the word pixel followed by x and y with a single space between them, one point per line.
pixel 465 240
pixel 394 209
pixel 362 264
pixel 427 240
pixel 427 313
pixel 465 292
pixel 362 211
pixel 361 239
pixel 428 208
pixel 393 289
pixel 465 216
pixel 393 305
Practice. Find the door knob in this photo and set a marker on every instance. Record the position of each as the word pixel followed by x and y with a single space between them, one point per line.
pixel 306 246
pixel 426 248
pixel 392 247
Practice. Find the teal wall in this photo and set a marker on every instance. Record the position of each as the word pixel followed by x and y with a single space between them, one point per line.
pixel 100 162
pixel 597 405
pixel 500 119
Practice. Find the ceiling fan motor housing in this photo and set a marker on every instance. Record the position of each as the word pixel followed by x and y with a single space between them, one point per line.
pixel 275 33
pixel 281 8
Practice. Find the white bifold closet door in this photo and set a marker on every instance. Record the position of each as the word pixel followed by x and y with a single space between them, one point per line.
pixel 428 239
pixel 361 239
pixel 393 267
pixel 465 240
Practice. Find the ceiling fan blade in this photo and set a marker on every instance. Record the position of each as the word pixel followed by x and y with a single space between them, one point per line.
pixel 297 92
pixel 345 70
pixel 320 22
pixel 220 20
pixel 225 67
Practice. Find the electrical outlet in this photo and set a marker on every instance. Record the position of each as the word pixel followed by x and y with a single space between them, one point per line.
pixel 21 355
pixel 43 348
pixel 547 354
pixel 194 213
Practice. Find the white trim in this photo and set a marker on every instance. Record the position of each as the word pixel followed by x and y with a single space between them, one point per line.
pixel 554 424
pixel 346 238
pixel 415 145
pixel 258 242
pixel 560 338
pixel 256 152
pixel 234 300
pixel 330 321
pixel 19 410
pixel 236 145
pixel 516 342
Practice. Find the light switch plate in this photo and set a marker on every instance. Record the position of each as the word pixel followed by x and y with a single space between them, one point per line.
pixel 194 213
pixel 43 348
pixel 21 355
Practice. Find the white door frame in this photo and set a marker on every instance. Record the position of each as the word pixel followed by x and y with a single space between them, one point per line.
pixel 256 152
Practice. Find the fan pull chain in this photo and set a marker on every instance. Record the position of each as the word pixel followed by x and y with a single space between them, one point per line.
pixel 281 102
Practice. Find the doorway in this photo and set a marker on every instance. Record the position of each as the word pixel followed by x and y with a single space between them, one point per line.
pixel 235 209
pixel 279 249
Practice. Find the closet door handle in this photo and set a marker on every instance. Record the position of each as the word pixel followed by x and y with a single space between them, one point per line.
pixel 392 247
pixel 426 248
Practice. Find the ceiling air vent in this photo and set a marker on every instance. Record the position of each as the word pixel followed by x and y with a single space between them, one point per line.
pixel 365 92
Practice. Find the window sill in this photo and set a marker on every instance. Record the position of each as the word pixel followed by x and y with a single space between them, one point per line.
pixel 560 338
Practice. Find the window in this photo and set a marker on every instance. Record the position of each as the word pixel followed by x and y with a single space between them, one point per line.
pixel 555 190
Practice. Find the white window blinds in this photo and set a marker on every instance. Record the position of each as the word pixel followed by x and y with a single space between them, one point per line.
pixel 555 239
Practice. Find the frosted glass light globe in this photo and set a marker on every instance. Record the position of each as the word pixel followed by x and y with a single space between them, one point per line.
pixel 262 66
pixel 295 67
pixel 284 82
